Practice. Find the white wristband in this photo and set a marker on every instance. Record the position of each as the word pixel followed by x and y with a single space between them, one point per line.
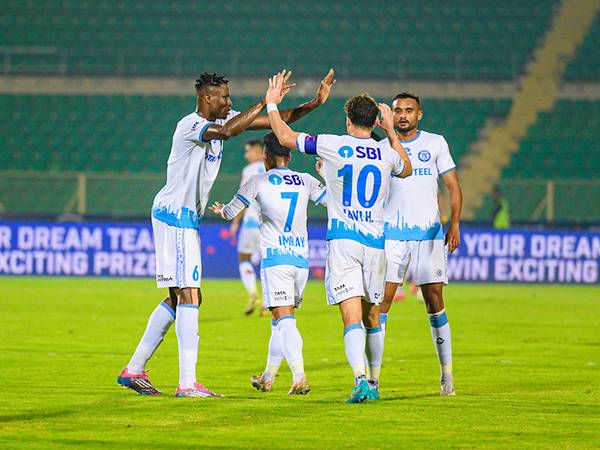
pixel 271 107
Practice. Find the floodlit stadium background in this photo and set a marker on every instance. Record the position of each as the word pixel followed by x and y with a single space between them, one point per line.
pixel 90 93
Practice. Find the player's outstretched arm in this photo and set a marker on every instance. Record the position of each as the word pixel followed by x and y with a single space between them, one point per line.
pixel 230 210
pixel 293 114
pixel 453 234
pixel 234 126
pixel 275 93
pixel 386 123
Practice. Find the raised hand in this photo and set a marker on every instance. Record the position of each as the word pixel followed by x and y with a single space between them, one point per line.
pixel 325 87
pixel 386 122
pixel 278 87
pixel 287 87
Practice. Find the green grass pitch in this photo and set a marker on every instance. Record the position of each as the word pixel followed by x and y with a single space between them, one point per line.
pixel 526 366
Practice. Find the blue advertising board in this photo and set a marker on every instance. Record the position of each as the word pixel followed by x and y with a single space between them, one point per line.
pixel 127 250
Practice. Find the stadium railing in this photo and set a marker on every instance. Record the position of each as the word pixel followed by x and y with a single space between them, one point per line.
pixel 129 195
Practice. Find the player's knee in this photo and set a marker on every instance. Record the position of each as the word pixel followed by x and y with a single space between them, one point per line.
pixel 244 257
pixel 189 296
pixel 432 295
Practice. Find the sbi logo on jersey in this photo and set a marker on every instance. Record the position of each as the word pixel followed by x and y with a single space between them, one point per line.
pixel 288 179
pixel 361 152
pixel 275 179
pixel 424 155
pixel 346 151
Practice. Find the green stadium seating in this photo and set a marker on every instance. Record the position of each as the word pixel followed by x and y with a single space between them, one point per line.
pixel 132 135
pixel 436 39
pixel 563 146
pixel 586 64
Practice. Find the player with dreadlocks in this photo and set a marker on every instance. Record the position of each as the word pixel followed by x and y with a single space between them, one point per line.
pixel 178 208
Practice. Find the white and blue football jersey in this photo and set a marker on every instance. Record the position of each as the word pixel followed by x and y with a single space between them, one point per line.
pixel 192 168
pixel 252 214
pixel 357 173
pixel 412 212
pixel 282 196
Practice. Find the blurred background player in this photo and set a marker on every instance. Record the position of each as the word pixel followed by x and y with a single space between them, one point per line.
pixel 501 213
pixel 192 168
pixel 248 241
pixel 413 231
pixel 357 170
pixel 282 196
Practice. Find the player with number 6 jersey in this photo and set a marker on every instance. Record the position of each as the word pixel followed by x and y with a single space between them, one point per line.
pixel 178 208
pixel 357 170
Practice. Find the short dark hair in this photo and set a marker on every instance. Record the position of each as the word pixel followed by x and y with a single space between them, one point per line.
pixel 255 142
pixel 407 95
pixel 362 110
pixel 210 79
pixel 273 147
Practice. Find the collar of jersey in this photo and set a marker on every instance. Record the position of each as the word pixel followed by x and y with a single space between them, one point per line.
pixel 280 168
pixel 413 139
pixel 358 137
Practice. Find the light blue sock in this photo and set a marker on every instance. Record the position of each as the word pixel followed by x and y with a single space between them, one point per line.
pixel 440 333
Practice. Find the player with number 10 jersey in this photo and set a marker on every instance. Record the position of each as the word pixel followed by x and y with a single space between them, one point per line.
pixel 357 171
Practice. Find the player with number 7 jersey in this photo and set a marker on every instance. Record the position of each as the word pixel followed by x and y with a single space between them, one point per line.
pixel 357 170
pixel 281 196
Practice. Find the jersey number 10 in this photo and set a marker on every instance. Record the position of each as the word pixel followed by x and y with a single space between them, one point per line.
pixel 361 184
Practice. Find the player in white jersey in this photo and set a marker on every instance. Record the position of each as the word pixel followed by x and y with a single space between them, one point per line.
pixel 413 229
pixel 357 170
pixel 178 208
pixel 282 196
pixel 249 238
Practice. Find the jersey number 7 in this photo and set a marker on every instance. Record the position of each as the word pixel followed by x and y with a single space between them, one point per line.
pixel 293 197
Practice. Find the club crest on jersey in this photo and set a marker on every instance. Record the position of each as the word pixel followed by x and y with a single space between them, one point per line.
pixel 275 179
pixel 424 155
pixel 346 151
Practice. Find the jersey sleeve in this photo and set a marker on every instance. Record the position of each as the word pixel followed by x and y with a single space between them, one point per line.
pixel 193 130
pixel 444 161
pixel 247 193
pixel 397 163
pixel 323 145
pixel 316 189
pixel 242 199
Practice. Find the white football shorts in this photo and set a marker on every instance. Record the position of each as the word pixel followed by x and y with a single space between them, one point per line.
pixel 428 261
pixel 178 256
pixel 249 240
pixel 354 270
pixel 283 285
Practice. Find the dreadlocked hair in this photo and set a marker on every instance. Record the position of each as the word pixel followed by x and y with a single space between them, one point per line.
pixel 210 79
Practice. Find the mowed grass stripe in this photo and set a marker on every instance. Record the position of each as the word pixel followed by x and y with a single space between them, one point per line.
pixel 526 364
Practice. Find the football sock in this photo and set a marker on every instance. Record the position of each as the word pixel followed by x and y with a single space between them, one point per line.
pixel 440 332
pixel 159 323
pixel 374 351
pixel 292 346
pixel 354 341
pixel 186 326
pixel 383 321
pixel 248 277
pixel 275 355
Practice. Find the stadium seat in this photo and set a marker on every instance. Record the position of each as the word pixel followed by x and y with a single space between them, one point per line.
pixel 468 41
pixel 132 134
